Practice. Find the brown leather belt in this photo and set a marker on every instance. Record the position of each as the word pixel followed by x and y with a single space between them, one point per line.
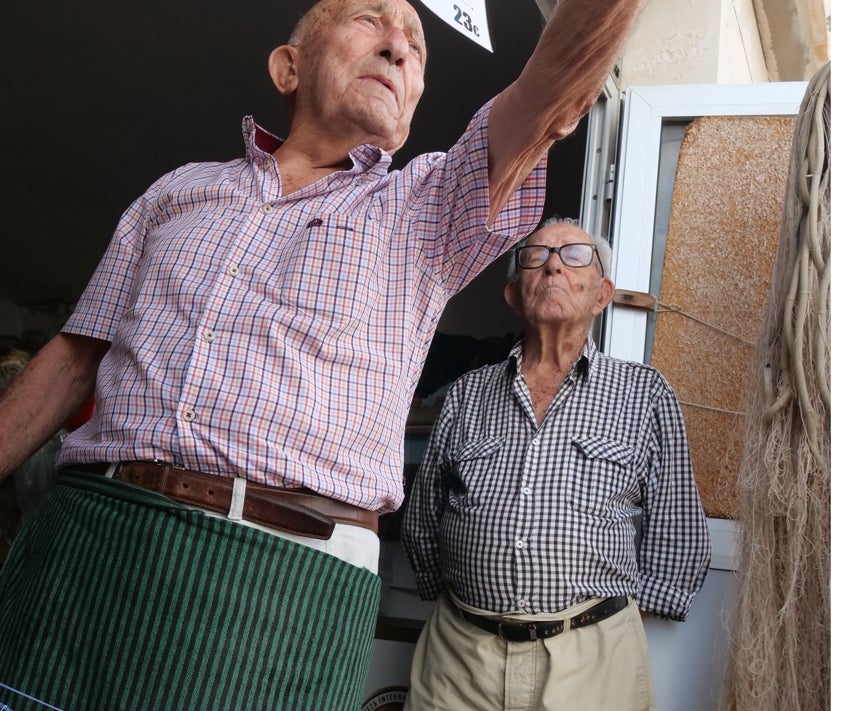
pixel 297 511
pixel 532 631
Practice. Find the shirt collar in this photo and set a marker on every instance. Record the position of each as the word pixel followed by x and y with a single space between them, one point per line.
pixel 582 367
pixel 259 142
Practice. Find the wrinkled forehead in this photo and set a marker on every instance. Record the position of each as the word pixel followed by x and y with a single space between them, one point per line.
pixel 557 235
pixel 331 12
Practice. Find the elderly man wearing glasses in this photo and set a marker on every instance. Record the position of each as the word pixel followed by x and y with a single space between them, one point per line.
pixel 556 500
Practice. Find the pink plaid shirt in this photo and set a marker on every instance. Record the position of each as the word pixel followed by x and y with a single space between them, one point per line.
pixel 280 337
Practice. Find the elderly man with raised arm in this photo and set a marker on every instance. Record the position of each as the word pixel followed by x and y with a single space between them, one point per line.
pixel 254 333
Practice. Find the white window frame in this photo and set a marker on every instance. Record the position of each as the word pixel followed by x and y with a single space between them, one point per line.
pixel 644 111
pixel 600 156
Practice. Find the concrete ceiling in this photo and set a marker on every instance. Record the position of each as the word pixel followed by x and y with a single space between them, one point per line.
pixel 103 97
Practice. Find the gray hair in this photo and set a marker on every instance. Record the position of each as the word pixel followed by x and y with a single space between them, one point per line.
pixel 602 245
pixel 302 28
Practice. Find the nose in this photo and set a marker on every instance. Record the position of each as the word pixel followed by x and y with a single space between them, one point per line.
pixel 395 47
pixel 554 263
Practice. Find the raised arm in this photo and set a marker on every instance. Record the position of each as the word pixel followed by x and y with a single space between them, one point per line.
pixel 557 87
pixel 55 383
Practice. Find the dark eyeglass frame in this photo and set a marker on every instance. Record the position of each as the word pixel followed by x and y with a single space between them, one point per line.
pixel 560 252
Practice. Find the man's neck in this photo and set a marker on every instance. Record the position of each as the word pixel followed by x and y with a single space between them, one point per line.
pixel 548 358
pixel 302 165
pixel 552 351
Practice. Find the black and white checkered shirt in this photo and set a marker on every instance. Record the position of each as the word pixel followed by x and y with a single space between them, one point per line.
pixel 516 517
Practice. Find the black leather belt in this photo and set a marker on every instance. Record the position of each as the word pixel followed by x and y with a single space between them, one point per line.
pixel 532 631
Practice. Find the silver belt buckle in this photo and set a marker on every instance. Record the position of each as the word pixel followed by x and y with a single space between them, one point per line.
pixel 533 632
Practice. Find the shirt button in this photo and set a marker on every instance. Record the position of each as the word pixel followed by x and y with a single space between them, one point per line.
pixel 266 208
pixel 526 491
pixel 520 544
pixel 521 604
pixel 317 222
pixel 189 414
pixel 209 335
pixel 233 270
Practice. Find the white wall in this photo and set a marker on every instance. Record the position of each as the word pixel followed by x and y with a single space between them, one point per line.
pixel 694 42
pixel 740 57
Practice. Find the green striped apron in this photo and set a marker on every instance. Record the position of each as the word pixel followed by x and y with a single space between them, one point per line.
pixel 114 597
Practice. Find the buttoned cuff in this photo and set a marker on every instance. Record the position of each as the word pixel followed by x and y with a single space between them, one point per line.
pixel 664 600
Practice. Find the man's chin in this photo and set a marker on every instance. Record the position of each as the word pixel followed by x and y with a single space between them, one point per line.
pixel 395 146
pixel 390 142
pixel 384 131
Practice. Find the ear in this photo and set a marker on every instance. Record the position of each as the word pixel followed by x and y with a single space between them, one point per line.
pixel 512 297
pixel 606 291
pixel 283 68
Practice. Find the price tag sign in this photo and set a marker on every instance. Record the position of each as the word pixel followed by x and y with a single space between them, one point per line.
pixel 467 16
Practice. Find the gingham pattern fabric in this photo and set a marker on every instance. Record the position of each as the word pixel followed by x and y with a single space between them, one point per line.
pixel 280 337
pixel 517 518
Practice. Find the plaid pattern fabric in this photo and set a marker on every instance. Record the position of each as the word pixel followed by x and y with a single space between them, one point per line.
pixel 116 598
pixel 294 327
pixel 519 518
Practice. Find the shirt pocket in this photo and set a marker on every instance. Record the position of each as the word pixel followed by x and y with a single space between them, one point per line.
pixel 333 269
pixel 470 470
pixel 601 479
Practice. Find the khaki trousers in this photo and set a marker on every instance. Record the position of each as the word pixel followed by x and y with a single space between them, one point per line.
pixel 460 667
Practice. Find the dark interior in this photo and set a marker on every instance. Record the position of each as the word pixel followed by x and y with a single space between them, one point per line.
pixel 102 98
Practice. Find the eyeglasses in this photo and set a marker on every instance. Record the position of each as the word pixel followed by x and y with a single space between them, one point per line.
pixel 577 255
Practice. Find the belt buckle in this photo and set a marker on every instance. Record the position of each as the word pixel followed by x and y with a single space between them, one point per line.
pixel 162 463
pixel 532 632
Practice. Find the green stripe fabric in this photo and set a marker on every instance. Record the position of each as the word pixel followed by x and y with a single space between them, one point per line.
pixel 114 597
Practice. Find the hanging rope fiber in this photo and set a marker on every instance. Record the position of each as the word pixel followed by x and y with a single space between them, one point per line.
pixel 780 635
